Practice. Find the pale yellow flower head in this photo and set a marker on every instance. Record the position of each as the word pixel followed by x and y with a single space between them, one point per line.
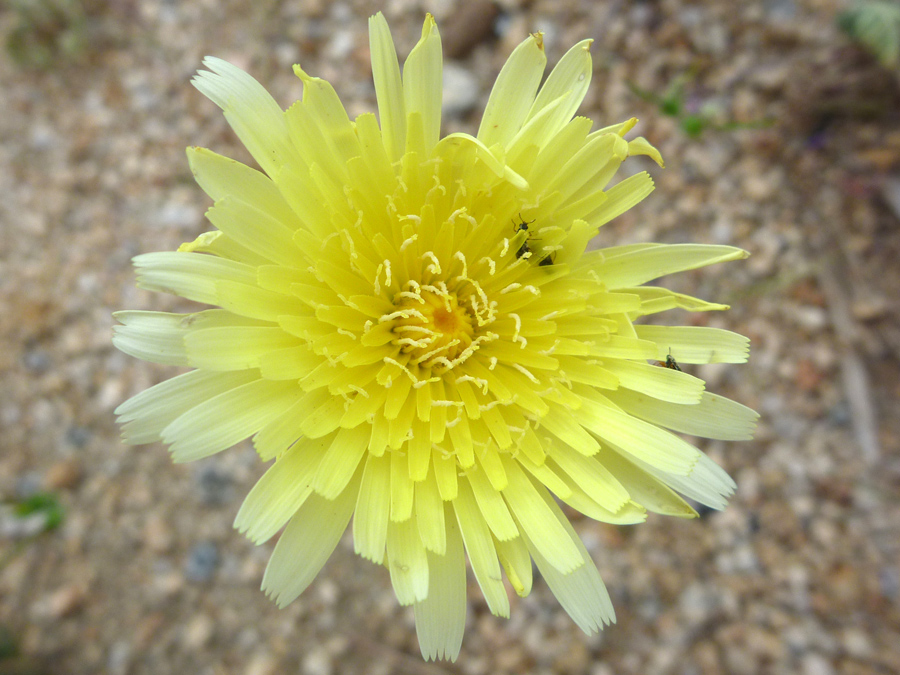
pixel 412 328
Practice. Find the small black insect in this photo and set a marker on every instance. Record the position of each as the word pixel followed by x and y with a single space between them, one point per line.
pixel 671 363
pixel 522 227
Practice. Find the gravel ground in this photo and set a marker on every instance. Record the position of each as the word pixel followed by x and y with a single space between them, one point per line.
pixel 800 575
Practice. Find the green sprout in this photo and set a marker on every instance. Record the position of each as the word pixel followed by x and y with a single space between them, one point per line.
pixel 44 503
pixel 693 119
pixel 42 507
pixel 876 26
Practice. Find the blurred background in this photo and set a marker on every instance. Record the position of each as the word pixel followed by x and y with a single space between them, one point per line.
pixel 778 121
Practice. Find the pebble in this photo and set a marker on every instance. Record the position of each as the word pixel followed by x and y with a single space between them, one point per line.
pixel 202 562
pixel 62 603
pixel 697 603
pixel 857 643
pixel 816 664
pixel 158 536
pixel 461 91
pixel 14 526
pixel 63 475
pixel 28 484
pixel 340 45
pixel 215 484
pixel 198 632
pixel 262 664
pixel 78 437
pixel 317 661
pixel 573 660
pixel 169 584
pixel 889 581
pixel 119 659
pixel 37 360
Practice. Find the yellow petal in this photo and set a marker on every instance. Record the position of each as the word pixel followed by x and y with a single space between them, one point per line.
pixel 422 82
pixel 513 93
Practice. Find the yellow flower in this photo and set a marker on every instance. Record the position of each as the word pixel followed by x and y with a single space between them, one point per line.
pixel 412 328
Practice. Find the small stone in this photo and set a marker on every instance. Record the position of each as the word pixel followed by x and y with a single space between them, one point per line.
pixel 119 658
pixel 461 90
pixel 215 484
pixel 857 643
pixel 148 630
pixel 889 582
pixel 317 662
pixel 78 436
pixel 816 664
pixel 262 664
pixel 28 484
pixel 202 562
pixel 807 376
pixel 871 308
pixel 509 659
pixel 198 632
pixel 340 45
pixel 697 603
pixel 63 475
pixel 471 23
pixel 157 535
pixel 62 602
pixel 573 660
pixel 169 584
pixel 37 360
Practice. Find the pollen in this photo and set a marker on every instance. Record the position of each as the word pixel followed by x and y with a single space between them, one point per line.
pixel 434 328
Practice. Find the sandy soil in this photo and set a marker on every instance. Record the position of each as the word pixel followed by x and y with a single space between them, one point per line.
pixel 800 575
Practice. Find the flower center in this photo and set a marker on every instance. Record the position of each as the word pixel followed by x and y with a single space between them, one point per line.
pixel 433 328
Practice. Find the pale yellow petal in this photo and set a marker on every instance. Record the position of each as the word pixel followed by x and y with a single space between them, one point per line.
pixel 430 515
pixel 570 78
pixel 713 417
pixel 441 617
pixel 250 110
pixel 529 504
pixel 234 347
pixel 645 489
pixel 580 592
pixel 370 520
pixel 640 439
pixel 665 384
pixel 144 416
pixel 190 275
pixel 152 336
pixel 632 268
pixel 340 461
pixel 696 344
pixel 221 177
pixel 388 87
pixel 422 82
pixel 407 561
pixel 308 541
pixel 513 93
pixel 226 419
pixel 280 492
pixel 480 547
